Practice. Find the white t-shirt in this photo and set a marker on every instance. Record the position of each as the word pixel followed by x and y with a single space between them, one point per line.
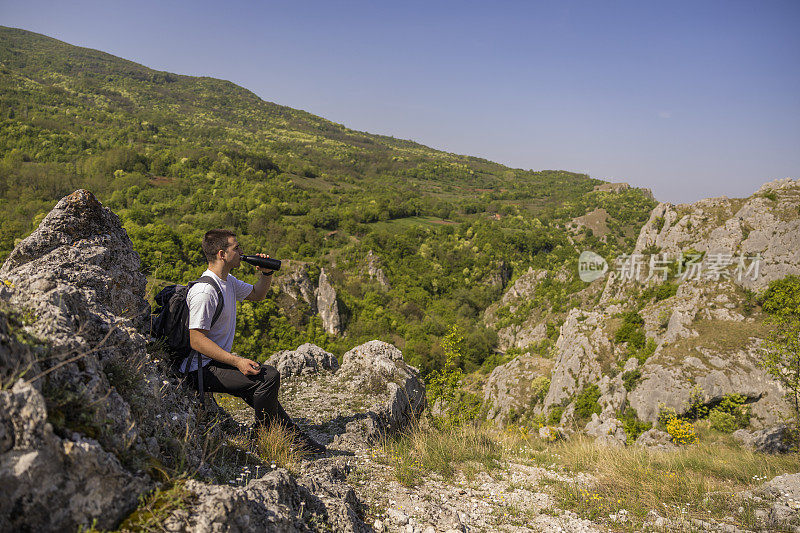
pixel 202 301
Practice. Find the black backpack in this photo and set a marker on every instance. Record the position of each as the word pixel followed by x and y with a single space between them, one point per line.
pixel 170 323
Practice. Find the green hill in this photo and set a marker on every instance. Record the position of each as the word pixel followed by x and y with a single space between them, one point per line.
pixel 176 155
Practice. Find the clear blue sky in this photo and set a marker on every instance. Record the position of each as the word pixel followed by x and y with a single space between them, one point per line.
pixel 690 98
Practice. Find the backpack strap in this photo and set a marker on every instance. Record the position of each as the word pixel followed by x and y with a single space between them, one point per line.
pixel 220 297
pixel 217 312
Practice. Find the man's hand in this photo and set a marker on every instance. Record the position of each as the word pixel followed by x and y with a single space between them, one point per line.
pixel 264 270
pixel 248 367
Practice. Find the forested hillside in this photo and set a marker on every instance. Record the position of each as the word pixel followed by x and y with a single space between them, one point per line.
pixel 176 155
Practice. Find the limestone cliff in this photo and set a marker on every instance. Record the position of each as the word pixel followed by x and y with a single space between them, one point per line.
pixel 692 278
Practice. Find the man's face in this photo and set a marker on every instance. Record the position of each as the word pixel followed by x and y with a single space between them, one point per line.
pixel 232 255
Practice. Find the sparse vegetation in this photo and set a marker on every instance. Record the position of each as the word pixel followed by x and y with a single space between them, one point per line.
pixel 781 351
pixel 586 402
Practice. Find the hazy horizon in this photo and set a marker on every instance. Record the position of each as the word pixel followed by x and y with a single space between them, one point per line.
pixel 690 100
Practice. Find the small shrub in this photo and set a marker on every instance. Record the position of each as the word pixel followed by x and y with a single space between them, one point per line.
pixel 155 507
pixel 631 378
pixel 632 425
pixel 769 195
pixel 681 431
pixel 697 405
pixel 554 416
pixel 665 415
pixel 660 292
pixel 722 421
pixel 539 388
pixel 631 330
pixel 782 297
pixel 734 405
pixel 586 402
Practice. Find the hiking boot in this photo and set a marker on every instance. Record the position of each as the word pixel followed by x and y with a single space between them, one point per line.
pixel 305 443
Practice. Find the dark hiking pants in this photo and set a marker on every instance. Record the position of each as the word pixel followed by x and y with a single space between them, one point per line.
pixel 260 391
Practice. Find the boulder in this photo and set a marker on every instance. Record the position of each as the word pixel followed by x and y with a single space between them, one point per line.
pixel 274 502
pixel 775 439
pixel 375 392
pixel 607 431
pixel 306 359
pixel 54 484
pixel 655 438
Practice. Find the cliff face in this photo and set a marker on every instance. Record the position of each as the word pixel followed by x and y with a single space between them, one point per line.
pixel 87 406
pixel 691 278
pixel 77 279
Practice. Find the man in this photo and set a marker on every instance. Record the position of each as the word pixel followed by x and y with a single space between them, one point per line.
pixel 224 371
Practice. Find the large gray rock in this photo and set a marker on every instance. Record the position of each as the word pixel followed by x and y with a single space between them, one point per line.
pixel 532 329
pixel 328 306
pixel 375 270
pixel 306 359
pixel 298 286
pixel 667 381
pixel 581 349
pixel 776 439
pixel 515 388
pixel 374 393
pixel 78 275
pixel 657 439
pixel 757 225
pixel 274 502
pixel 608 431
pixel 54 484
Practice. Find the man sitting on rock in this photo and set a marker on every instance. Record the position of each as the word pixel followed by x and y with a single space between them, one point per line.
pixel 224 371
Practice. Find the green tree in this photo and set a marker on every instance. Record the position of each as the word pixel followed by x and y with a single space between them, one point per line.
pixel 781 348
pixel 781 358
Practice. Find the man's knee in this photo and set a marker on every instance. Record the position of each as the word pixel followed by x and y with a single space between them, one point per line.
pixel 270 377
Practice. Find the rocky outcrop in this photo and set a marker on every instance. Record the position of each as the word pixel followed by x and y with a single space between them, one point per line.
pixel 582 349
pixel 78 281
pixel 274 502
pixel 298 286
pixel 55 484
pixel 704 338
pixel 656 439
pixel 374 393
pixel 776 439
pixel 532 329
pixel 607 431
pixel 514 389
pixel 375 270
pixel 306 359
pixel 328 305
pixel 766 224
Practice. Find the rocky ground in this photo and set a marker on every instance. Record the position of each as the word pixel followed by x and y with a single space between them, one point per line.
pixel 516 494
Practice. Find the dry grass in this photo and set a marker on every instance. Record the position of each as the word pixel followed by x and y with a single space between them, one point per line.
pixel 276 445
pixel 693 482
pixel 468 449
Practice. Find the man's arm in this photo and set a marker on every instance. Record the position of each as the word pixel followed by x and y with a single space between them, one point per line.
pixel 199 341
pixel 260 289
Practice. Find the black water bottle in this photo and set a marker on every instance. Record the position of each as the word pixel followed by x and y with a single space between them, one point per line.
pixel 263 262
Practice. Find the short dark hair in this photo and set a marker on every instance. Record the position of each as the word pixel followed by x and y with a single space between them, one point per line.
pixel 215 240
